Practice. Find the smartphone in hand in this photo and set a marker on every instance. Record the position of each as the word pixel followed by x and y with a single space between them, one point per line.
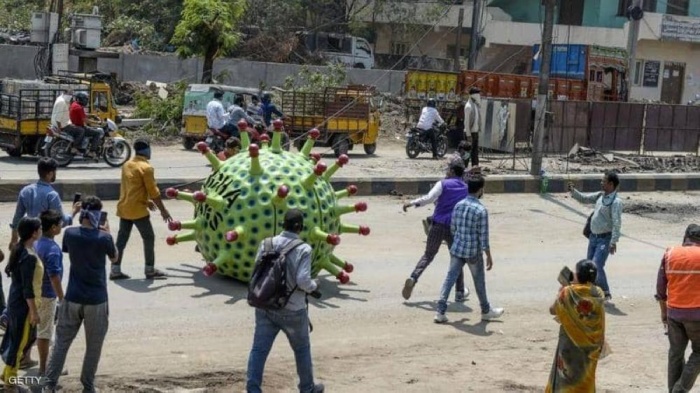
pixel 566 276
pixel 77 197
pixel 103 218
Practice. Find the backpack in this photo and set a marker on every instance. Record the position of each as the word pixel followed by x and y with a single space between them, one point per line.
pixel 268 287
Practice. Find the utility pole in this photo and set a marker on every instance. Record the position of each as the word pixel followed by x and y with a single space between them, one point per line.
pixel 634 15
pixel 458 40
pixel 543 88
pixel 476 34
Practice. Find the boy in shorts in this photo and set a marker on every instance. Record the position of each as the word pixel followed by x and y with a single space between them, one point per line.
pixel 51 290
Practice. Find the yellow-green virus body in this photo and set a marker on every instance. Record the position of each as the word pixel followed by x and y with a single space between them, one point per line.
pixel 245 199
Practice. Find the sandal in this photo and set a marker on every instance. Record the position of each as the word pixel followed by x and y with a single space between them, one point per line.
pixel 156 275
pixel 28 364
pixel 119 276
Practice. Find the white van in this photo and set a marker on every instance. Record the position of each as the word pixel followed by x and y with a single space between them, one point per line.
pixel 352 51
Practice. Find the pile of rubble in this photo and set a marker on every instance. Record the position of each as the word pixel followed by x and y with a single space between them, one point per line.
pixel 586 160
pixel 393 118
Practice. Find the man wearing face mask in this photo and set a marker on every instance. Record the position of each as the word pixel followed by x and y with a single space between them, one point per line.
pixel 472 122
pixel 139 193
pixel 61 120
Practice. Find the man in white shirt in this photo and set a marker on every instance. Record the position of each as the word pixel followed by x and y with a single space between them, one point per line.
pixel 217 117
pixel 61 120
pixel 428 117
pixel 472 122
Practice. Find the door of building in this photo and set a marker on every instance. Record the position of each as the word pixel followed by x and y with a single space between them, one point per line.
pixel 672 82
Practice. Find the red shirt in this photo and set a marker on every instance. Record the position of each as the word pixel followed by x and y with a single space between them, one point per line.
pixel 77 115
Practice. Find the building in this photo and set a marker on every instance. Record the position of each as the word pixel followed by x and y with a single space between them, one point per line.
pixel 668 49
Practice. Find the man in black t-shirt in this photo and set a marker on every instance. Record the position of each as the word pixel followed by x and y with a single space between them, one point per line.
pixel 85 302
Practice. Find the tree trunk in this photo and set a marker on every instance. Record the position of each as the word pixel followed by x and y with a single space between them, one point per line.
pixel 208 67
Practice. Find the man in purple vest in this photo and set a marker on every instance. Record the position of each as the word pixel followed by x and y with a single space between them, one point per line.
pixel 447 193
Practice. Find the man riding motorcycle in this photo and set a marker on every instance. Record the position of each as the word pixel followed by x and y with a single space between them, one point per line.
pixel 217 118
pixel 79 118
pixel 61 120
pixel 268 109
pixel 428 117
pixel 236 113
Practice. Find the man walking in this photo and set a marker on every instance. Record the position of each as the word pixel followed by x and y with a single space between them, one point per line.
pixel 605 225
pixel 139 193
pixel 293 319
pixel 447 193
pixel 677 292
pixel 470 228
pixel 85 302
pixel 51 289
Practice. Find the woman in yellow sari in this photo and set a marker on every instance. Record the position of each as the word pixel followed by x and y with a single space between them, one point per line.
pixel 580 311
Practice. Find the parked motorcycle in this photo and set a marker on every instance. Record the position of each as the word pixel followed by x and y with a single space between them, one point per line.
pixel 417 141
pixel 113 148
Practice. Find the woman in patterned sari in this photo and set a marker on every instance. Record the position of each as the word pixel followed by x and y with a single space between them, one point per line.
pixel 580 311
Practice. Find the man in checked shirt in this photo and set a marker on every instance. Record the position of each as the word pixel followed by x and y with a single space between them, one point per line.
pixel 470 231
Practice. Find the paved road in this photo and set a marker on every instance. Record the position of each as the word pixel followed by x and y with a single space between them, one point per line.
pixel 174 162
pixel 195 332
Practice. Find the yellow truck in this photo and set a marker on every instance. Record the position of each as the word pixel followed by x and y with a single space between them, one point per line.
pixel 346 116
pixel 26 105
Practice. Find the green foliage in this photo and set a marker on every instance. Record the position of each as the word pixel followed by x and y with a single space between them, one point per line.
pixel 207 24
pixel 17 14
pixel 166 113
pixel 126 28
pixel 316 81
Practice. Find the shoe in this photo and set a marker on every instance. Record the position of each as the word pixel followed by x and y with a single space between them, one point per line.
pixel 118 276
pixel 408 288
pixel 156 274
pixel 28 364
pixel 319 388
pixel 462 297
pixel 440 318
pixel 494 313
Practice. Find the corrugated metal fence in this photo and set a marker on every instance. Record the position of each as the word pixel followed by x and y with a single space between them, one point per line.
pixel 616 126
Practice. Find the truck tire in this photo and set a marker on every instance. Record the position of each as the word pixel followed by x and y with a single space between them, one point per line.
pixel 370 148
pixel 341 145
pixel 188 143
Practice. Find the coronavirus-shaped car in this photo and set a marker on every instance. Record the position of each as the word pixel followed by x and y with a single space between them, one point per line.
pixel 245 198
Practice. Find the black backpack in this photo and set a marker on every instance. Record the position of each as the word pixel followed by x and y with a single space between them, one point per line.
pixel 268 287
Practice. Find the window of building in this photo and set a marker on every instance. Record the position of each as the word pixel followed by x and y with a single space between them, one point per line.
pixel 677 7
pixel 571 12
pixel 399 48
pixel 623 5
pixel 463 51
pixel 637 74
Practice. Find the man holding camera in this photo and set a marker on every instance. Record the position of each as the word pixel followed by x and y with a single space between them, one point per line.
pixel 677 290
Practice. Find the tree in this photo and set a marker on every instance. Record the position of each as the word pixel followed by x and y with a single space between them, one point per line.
pixel 208 28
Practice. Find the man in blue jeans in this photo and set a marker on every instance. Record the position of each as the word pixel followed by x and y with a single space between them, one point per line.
pixel 470 231
pixel 605 225
pixel 293 319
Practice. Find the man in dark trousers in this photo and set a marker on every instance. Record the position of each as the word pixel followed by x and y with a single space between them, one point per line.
pixel 293 319
pixel 677 290
pixel 447 193
pixel 88 246
pixel 139 193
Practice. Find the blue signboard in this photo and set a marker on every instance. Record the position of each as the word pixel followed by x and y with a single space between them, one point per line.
pixel 568 61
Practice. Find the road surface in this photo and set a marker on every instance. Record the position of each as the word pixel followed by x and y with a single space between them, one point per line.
pixel 194 332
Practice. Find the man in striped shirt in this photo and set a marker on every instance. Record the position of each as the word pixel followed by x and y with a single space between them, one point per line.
pixel 470 231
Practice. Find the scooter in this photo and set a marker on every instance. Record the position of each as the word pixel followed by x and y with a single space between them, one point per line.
pixel 113 148
pixel 417 141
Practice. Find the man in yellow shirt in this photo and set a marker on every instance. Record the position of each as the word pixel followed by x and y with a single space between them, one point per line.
pixel 139 193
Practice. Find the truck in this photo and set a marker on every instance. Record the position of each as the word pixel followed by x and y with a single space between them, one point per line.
pixel 26 106
pixel 345 116
pixel 355 52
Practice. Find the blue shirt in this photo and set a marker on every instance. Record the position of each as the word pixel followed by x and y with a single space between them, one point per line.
pixel 36 198
pixel 268 109
pixel 470 228
pixel 87 249
pixel 50 254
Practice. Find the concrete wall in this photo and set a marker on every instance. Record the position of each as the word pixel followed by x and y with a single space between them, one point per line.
pixel 18 62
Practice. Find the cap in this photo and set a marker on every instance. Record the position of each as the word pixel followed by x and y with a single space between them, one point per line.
pixel 456 162
pixel 693 232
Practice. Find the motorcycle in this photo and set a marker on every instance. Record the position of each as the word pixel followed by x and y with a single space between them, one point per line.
pixel 417 141
pixel 113 148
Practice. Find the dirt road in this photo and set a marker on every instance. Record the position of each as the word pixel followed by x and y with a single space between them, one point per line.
pixel 194 332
